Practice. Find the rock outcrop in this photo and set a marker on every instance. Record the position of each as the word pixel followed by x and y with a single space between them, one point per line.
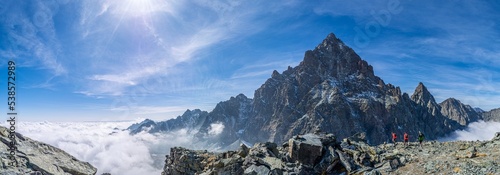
pixel 459 112
pixel 493 115
pixel 35 157
pixel 321 153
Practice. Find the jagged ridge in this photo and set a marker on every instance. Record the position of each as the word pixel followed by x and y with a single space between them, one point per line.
pixel 334 90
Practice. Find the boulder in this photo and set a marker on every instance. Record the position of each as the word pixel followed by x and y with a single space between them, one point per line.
pixel 257 170
pixel 306 149
pixel 346 161
pixel 264 149
pixel 496 137
pixel 243 151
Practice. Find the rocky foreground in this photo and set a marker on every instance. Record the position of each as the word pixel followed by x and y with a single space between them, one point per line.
pixel 38 158
pixel 321 153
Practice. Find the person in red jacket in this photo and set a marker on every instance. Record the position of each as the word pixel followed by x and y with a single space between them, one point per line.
pixel 394 137
pixel 406 138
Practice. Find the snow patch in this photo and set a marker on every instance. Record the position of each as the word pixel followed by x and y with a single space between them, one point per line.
pixel 241 131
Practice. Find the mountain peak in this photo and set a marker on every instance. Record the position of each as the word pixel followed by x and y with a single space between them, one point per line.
pixel 421 88
pixel 331 36
pixel 452 101
pixel 330 43
pixel 459 112
pixel 422 93
pixel 423 97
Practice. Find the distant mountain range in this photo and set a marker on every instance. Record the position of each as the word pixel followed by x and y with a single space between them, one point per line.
pixel 331 90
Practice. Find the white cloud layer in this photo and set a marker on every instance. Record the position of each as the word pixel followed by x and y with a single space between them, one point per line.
pixel 107 147
pixel 475 131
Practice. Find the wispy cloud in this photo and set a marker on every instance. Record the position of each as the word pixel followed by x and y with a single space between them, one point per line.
pixel 152 109
pixel 170 47
pixel 32 37
pixel 265 69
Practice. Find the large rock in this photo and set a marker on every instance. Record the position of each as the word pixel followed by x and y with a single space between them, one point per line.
pixel 184 161
pixel 34 156
pixel 496 137
pixel 306 149
pixel 257 170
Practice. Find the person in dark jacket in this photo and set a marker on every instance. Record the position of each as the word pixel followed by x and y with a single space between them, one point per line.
pixel 421 138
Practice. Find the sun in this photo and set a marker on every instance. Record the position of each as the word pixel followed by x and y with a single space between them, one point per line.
pixel 137 8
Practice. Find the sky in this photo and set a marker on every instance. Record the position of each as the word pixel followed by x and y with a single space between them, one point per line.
pixel 108 60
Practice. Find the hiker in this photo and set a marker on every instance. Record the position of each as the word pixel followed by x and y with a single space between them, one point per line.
pixel 394 137
pixel 406 138
pixel 420 138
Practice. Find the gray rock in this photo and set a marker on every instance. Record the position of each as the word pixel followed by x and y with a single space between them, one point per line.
pixel 493 115
pixel 346 161
pixel 243 151
pixel 496 137
pixel 34 156
pixel 373 172
pixel 306 149
pixel 257 170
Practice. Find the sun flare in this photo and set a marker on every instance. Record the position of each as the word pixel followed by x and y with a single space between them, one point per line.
pixel 137 8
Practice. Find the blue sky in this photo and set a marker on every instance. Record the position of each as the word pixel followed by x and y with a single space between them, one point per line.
pixel 120 60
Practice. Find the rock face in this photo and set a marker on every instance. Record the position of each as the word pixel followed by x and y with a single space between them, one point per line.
pixel 33 157
pixel 320 153
pixel 493 115
pixel 459 112
pixel 334 90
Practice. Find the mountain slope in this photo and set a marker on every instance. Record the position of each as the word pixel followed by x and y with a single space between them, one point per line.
pixel 459 112
pixel 333 90
pixel 493 115
pixel 33 156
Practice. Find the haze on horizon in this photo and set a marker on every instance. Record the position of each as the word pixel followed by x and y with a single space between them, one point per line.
pixel 121 60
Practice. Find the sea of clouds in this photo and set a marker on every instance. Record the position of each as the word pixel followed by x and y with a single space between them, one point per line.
pixel 108 147
pixel 479 130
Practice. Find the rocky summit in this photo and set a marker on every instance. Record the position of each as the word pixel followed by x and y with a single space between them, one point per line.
pixel 333 90
pixel 321 153
pixel 38 158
